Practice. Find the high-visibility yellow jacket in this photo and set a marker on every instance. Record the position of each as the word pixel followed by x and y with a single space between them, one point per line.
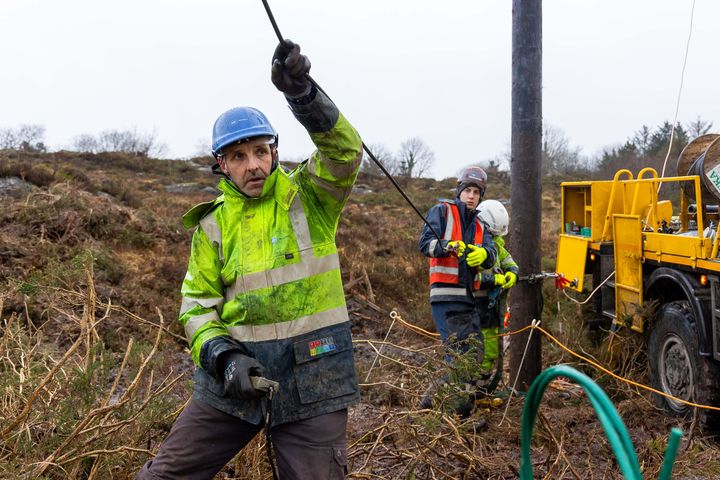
pixel 503 263
pixel 264 277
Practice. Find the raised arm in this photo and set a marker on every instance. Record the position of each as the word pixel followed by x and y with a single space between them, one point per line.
pixel 333 167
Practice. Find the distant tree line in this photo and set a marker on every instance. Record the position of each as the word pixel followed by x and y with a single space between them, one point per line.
pixel 127 141
pixel 31 138
pixel 646 147
pixel 27 138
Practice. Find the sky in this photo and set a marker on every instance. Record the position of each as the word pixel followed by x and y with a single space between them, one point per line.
pixel 397 69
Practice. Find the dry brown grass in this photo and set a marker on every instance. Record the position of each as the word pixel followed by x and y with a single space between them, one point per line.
pixel 394 439
pixel 92 377
pixel 80 411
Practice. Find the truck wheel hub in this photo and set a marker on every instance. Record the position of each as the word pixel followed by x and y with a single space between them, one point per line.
pixel 676 371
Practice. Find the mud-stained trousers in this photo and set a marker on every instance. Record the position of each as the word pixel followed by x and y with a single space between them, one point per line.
pixel 203 439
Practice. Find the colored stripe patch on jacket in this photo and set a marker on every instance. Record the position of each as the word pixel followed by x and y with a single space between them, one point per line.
pixel 323 345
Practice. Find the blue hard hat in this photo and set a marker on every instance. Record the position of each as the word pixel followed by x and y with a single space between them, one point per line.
pixel 237 124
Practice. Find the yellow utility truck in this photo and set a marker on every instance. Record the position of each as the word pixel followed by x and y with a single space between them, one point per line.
pixel 650 244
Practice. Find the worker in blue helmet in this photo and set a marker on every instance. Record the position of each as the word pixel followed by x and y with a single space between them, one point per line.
pixel 263 298
pixel 244 128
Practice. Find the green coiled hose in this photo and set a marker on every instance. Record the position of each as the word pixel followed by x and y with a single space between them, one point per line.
pixel 609 419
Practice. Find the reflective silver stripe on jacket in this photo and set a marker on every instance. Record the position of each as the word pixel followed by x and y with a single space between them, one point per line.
pixel 194 323
pixel 339 170
pixel 460 292
pixel 335 192
pixel 190 302
pixel 450 223
pixel 308 266
pixel 212 230
pixel 285 274
pixel 439 269
pixel 431 247
pixel 447 235
pixel 300 224
pixel 292 328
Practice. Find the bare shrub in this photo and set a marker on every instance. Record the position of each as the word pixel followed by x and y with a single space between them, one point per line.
pixel 415 157
pixel 28 138
pixel 122 191
pixel 83 411
pixel 40 175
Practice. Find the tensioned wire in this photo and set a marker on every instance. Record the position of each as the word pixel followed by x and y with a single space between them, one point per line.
pixel 608 416
pixel 536 326
pixel 677 104
pixel 672 136
pixel 426 333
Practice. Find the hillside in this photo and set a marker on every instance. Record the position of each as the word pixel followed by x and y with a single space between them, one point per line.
pixel 95 366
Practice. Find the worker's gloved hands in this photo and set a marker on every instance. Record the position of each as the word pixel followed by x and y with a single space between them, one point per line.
pixel 476 256
pixel 289 70
pixel 499 280
pixel 237 370
pixel 510 280
pixel 457 246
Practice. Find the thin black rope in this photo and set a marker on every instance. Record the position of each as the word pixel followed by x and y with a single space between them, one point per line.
pixel 365 148
pixel 268 435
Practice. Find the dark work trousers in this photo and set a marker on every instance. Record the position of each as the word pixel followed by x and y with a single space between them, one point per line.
pixel 203 439
pixel 440 312
pixel 445 316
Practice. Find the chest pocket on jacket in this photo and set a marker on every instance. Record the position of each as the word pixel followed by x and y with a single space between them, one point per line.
pixel 324 365
pixel 290 241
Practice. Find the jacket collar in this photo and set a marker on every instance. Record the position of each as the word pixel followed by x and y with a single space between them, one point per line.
pixel 465 212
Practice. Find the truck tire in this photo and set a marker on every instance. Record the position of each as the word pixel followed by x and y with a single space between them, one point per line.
pixel 677 369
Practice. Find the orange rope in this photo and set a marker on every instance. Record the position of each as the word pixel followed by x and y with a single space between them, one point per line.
pixel 593 363
pixel 418 330
pixel 618 377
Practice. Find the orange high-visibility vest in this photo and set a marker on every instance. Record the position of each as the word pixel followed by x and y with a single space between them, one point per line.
pixel 445 269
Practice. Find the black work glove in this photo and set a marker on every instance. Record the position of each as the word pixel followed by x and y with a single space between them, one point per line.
pixel 289 70
pixel 237 369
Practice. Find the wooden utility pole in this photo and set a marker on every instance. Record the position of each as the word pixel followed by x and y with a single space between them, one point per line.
pixel 525 185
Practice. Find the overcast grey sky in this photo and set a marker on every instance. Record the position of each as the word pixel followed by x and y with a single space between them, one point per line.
pixel 396 68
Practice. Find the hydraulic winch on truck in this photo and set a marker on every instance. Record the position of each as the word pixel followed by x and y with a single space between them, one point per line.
pixel 649 239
